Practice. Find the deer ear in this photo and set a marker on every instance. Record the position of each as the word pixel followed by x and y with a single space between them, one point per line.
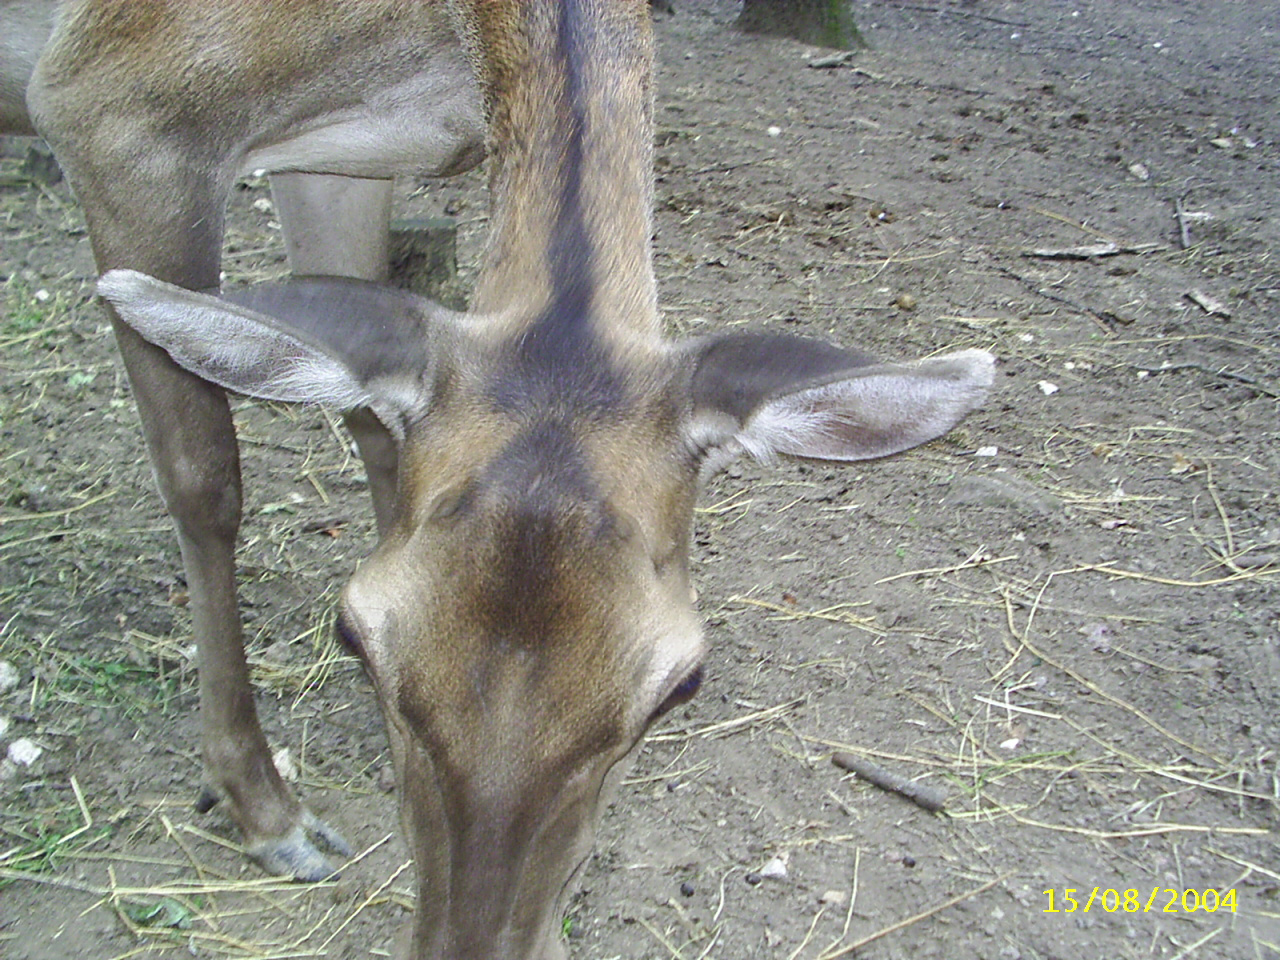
pixel 342 343
pixel 768 394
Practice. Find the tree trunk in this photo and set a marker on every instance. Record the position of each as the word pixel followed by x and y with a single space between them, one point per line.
pixel 823 23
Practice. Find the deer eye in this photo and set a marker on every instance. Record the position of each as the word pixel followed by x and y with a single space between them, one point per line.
pixel 683 693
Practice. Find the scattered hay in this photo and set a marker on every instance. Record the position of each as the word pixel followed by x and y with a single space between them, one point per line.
pixel 836 613
pixel 843 950
pixel 756 721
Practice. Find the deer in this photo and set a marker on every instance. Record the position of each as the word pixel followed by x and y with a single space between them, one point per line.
pixel 526 614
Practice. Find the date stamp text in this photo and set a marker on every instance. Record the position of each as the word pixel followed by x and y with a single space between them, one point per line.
pixel 1161 899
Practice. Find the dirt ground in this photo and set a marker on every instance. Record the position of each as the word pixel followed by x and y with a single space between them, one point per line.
pixel 1065 615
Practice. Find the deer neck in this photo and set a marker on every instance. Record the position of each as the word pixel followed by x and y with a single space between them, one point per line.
pixel 567 88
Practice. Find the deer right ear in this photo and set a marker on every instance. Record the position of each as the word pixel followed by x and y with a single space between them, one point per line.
pixel 330 341
pixel 767 394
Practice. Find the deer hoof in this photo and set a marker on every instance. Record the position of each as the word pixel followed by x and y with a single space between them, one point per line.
pixel 297 856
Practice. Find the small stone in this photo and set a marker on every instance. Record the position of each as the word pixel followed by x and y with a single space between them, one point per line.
pixel 775 869
pixel 4 726
pixel 8 676
pixel 837 898
pixel 284 764
pixel 753 879
pixel 774 131
pixel 1047 388
pixel 24 753
pixel 686 889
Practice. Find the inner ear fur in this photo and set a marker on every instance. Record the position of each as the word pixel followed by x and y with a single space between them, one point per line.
pixel 769 394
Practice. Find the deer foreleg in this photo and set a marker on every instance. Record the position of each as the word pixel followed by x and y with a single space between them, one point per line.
pixel 193 450
pixel 157 206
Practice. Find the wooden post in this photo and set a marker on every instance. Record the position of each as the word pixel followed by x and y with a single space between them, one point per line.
pixel 424 259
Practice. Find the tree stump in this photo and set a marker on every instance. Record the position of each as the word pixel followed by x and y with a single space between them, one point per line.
pixel 823 23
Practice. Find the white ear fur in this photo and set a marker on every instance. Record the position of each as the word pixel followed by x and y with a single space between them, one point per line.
pixel 873 412
pixel 231 346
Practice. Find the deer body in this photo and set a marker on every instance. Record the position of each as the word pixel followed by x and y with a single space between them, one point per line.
pixel 534 462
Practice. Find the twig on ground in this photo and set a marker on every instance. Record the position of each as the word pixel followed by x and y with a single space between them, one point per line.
pixel 920 794
pixel 1041 292
pixel 834 60
pixel 1211 306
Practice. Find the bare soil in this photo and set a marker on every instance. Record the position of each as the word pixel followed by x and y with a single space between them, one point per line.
pixel 1065 615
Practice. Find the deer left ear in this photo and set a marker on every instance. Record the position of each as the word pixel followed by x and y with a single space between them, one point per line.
pixel 326 340
pixel 768 394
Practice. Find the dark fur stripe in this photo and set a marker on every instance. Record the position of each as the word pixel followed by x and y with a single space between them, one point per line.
pixel 560 358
